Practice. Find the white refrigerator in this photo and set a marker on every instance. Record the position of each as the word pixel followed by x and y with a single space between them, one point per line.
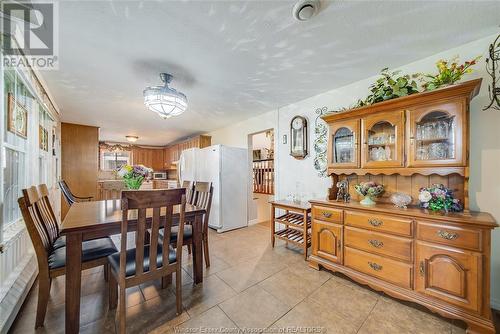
pixel 227 169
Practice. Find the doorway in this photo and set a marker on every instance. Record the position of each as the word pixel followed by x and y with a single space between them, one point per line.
pixel 262 175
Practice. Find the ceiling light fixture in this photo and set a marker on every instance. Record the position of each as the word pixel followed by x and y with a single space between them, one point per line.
pixel 132 139
pixel 305 9
pixel 163 100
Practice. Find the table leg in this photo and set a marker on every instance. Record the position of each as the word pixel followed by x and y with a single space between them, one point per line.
pixel 73 281
pixel 197 250
pixel 273 217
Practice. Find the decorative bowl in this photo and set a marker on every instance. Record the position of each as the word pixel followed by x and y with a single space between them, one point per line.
pixel 400 200
pixel 369 190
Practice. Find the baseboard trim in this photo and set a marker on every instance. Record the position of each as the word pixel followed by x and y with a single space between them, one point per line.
pixel 495 303
pixel 18 293
pixel 253 222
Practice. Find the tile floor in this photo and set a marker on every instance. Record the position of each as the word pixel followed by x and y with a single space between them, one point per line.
pixel 249 285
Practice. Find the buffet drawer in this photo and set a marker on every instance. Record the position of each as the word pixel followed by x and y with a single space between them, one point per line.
pixel 460 237
pixel 327 214
pixel 378 222
pixel 379 243
pixel 392 271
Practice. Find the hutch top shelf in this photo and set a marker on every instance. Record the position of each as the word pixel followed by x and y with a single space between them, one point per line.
pixel 424 133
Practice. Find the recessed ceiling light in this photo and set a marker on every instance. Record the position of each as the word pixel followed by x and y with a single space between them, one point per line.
pixel 132 139
pixel 305 9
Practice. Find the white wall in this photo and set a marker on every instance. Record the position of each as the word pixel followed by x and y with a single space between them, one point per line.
pixel 299 175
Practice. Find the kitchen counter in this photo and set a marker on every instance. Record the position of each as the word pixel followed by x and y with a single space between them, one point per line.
pixel 112 188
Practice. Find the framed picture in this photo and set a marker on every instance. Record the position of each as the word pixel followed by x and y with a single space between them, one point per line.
pixel 17 117
pixel 43 138
pixel 256 155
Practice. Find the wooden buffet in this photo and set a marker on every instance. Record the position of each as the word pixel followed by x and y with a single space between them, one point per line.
pixel 438 260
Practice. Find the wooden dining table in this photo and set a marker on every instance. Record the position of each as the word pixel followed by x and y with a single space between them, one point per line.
pixel 90 220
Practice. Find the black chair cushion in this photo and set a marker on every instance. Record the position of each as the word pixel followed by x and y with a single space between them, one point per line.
pixel 60 242
pixel 91 250
pixel 188 233
pixel 114 260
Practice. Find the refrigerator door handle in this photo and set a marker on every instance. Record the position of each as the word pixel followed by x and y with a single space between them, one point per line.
pixel 179 169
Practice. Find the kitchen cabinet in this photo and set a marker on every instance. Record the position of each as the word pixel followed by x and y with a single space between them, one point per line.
pixel 165 184
pixel 173 152
pixel 158 159
pixel 149 157
pixel 142 156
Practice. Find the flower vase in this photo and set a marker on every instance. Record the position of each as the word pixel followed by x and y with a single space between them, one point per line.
pixel 368 200
pixel 133 183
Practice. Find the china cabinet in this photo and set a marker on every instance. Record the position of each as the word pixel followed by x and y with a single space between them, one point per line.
pixel 438 260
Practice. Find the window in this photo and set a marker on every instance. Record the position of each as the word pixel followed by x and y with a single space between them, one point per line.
pixel 113 160
pixel 14 150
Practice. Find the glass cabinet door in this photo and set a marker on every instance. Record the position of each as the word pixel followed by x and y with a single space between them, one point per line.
pixel 436 135
pixel 343 150
pixel 383 140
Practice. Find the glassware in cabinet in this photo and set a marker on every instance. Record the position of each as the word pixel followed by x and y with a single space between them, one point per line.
pixel 383 140
pixel 436 135
pixel 343 150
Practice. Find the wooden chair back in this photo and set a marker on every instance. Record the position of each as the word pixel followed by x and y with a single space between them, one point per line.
pixel 68 196
pixel 189 185
pixel 29 204
pixel 155 201
pixel 203 192
pixel 47 212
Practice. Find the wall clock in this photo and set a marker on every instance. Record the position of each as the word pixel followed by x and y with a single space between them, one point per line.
pixel 298 137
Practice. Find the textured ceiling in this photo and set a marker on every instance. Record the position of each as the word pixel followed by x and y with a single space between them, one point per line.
pixel 236 59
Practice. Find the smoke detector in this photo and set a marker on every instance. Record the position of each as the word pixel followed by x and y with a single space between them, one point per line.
pixel 305 9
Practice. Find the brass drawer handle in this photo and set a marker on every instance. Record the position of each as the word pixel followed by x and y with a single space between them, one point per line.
pixel 422 268
pixel 326 214
pixel 447 235
pixel 375 266
pixel 375 222
pixel 376 243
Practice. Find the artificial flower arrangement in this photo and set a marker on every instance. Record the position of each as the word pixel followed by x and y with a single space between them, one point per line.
pixel 449 72
pixel 133 176
pixel 369 190
pixel 437 198
pixel 392 85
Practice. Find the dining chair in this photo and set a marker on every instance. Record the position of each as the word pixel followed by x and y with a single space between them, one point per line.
pixel 152 261
pixel 69 196
pixel 189 185
pixel 203 193
pixel 52 260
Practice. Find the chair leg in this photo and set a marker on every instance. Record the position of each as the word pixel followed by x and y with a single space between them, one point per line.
pixel 106 272
pixel 113 291
pixel 166 281
pixel 205 251
pixel 121 312
pixel 190 250
pixel 43 299
pixel 178 289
